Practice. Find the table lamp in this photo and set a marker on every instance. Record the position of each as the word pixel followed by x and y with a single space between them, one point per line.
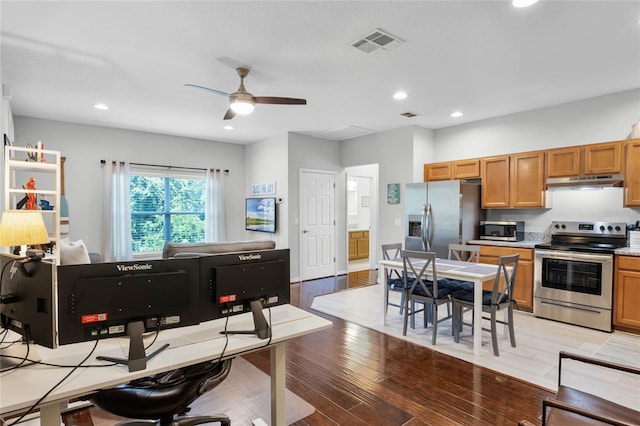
pixel 24 227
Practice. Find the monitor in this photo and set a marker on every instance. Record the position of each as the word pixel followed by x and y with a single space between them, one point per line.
pixel 230 282
pixel 28 297
pixel 260 214
pixel 126 299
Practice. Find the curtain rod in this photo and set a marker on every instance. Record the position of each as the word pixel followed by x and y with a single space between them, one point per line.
pixel 169 167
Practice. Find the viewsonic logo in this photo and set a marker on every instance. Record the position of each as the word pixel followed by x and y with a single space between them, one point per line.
pixel 252 256
pixel 134 267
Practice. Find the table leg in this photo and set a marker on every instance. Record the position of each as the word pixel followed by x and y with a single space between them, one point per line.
pixel 477 316
pixel 278 384
pixel 50 414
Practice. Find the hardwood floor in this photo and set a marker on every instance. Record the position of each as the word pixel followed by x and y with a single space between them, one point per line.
pixel 356 376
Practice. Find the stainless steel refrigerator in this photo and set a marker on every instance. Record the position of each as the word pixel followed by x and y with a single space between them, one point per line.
pixel 439 213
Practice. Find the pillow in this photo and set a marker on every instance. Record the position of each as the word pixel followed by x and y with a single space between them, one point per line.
pixel 73 252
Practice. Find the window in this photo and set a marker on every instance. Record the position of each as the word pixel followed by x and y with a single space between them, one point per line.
pixel 166 206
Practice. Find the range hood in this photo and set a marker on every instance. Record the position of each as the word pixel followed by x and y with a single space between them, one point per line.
pixel 585 182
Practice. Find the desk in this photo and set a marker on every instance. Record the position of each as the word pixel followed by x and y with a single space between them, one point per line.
pixel 21 388
pixel 476 273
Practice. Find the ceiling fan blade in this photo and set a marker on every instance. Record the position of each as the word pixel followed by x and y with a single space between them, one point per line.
pixel 195 86
pixel 229 115
pixel 279 101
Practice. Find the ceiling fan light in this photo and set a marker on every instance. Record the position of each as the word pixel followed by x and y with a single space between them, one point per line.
pixel 242 107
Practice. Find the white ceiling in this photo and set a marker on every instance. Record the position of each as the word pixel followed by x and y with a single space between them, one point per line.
pixel 485 58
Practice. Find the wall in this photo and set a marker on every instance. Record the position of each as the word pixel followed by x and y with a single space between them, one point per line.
pixel 266 162
pixel 307 152
pixel 601 119
pixel 84 146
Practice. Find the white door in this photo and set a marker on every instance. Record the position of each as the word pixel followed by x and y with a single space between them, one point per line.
pixel 317 224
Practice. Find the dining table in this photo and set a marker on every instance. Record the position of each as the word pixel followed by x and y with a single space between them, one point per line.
pixel 473 272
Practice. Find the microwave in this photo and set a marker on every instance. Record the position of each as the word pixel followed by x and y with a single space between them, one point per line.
pixel 502 230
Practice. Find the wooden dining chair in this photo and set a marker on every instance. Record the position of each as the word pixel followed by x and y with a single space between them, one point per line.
pixel 422 285
pixel 394 280
pixel 464 252
pixel 497 299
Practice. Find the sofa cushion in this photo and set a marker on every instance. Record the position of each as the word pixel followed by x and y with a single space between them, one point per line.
pixel 182 249
pixel 73 252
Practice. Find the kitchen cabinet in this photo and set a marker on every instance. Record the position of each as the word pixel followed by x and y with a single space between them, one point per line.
pixel 461 169
pixel 514 181
pixel 358 245
pixel 593 159
pixel 632 174
pixel 523 291
pixel 626 294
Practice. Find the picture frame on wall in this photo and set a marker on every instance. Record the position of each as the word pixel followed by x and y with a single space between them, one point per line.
pixel 393 193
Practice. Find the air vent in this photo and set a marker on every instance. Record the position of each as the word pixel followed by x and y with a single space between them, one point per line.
pixel 408 114
pixel 376 39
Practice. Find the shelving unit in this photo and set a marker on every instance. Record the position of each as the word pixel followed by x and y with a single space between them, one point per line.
pixel 18 170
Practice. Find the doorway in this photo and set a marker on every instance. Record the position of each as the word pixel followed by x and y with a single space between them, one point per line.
pixel 361 217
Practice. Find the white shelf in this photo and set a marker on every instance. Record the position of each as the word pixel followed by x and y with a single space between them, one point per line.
pixel 17 171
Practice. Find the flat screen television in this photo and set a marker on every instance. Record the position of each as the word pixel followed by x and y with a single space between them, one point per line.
pixel 260 214
pixel 28 306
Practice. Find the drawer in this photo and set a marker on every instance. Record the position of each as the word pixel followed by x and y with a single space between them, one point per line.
pixel 356 234
pixel 629 262
pixel 487 251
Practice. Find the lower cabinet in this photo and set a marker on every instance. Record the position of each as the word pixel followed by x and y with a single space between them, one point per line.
pixel 523 291
pixel 626 294
pixel 358 245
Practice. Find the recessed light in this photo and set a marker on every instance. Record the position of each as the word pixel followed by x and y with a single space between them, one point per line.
pixel 101 107
pixel 456 114
pixel 228 127
pixel 523 3
pixel 400 95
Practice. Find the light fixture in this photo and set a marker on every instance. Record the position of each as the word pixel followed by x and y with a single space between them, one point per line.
pixel 101 107
pixel 456 114
pixel 523 3
pixel 400 95
pixel 24 228
pixel 242 103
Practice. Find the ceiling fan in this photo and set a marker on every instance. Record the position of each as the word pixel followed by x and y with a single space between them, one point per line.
pixel 242 102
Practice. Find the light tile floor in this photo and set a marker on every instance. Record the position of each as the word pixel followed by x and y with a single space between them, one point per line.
pixel 535 357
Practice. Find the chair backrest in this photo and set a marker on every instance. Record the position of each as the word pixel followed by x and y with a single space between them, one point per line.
pixel 392 252
pixel 418 266
pixel 505 280
pixel 464 252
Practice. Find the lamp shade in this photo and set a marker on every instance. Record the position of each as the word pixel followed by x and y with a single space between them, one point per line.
pixel 22 227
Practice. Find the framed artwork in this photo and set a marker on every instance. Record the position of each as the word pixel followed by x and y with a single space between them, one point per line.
pixel 393 193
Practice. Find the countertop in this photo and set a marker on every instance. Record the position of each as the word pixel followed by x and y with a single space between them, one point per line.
pixel 628 251
pixel 516 244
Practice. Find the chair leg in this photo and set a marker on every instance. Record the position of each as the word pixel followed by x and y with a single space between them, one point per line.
pixel 434 316
pixel 413 314
pixel 494 333
pixel 457 322
pixel 401 303
pixel 405 317
pixel 512 335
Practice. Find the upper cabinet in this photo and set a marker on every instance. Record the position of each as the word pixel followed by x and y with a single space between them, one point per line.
pixel 632 174
pixel 461 169
pixel 514 181
pixel 594 159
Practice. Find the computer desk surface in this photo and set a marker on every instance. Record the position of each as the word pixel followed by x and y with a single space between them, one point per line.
pixel 22 387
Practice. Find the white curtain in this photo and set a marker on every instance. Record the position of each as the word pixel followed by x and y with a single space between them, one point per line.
pixel 116 227
pixel 215 223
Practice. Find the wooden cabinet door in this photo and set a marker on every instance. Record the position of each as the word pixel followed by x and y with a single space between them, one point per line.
pixel 627 293
pixel 632 174
pixel 602 158
pixel 527 180
pixel 363 246
pixel 466 169
pixel 563 161
pixel 495 182
pixel 437 171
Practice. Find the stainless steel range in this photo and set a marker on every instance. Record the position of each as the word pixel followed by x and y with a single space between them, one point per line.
pixel 573 275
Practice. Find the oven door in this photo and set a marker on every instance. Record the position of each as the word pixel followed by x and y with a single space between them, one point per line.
pixel 574 277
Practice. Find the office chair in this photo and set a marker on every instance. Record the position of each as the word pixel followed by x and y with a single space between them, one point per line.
pixel 164 399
